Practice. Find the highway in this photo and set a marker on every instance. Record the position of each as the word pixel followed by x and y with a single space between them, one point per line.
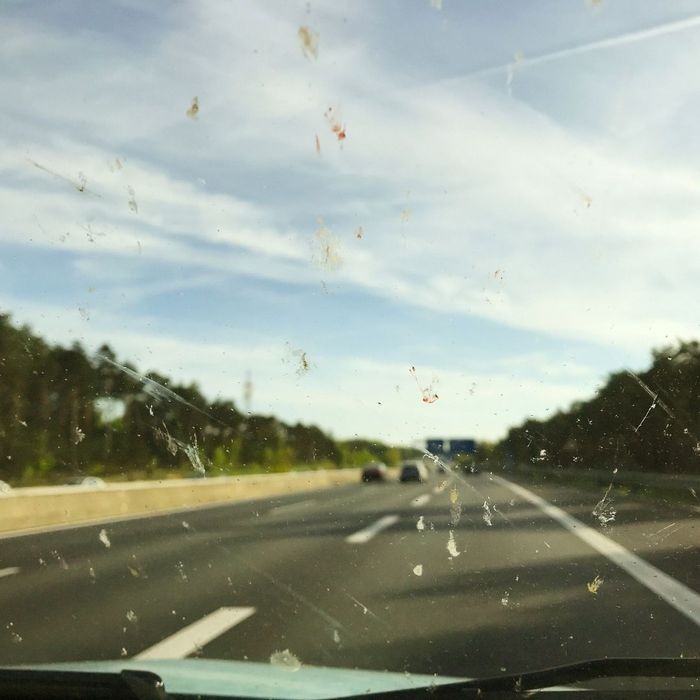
pixel 466 577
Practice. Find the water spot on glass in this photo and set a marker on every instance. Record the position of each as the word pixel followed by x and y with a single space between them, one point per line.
pixel 61 561
pixel 334 122
pixel 325 248
pixel 452 546
pixel 487 515
pixel 193 110
pixel 285 660
pixel 518 59
pixel 133 206
pixel 594 585
pixel 181 570
pixel 455 507
pixel 427 394
pixel 308 39
pixel 605 510
pixel 16 638
pixel 135 569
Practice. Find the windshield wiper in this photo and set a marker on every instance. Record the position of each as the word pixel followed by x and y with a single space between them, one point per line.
pixel 532 682
pixel 586 671
pixel 49 684
pixel 145 685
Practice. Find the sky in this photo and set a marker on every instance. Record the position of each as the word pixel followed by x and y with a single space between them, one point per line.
pixel 514 211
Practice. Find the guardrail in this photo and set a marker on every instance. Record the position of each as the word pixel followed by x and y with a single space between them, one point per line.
pixel 42 506
pixel 689 483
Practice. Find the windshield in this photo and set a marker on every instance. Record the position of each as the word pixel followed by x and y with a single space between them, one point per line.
pixel 250 250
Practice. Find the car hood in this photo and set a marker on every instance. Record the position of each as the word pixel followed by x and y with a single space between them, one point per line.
pixel 258 680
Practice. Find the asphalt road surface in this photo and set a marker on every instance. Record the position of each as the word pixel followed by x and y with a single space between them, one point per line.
pixel 365 576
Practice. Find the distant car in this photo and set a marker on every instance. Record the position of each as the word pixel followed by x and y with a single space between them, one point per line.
pixel 376 471
pixel 471 469
pixel 93 482
pixel 413 471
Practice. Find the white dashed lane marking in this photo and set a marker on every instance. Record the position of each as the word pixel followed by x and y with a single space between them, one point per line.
pixel 366 534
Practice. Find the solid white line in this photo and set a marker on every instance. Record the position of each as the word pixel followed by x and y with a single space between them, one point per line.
pixel 9 571
pixel 421 500
pixel 370 531
pixel 195 636
pixel 682 598
pixel 290 506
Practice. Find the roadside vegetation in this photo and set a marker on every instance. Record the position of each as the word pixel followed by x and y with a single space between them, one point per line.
pixel 65 413
pixel 647 421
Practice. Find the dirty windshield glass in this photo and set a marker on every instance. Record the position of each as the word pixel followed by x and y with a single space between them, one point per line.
pixel 356 335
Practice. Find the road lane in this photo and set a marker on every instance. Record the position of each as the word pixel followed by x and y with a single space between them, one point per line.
pixel 155 566
pixel 516 596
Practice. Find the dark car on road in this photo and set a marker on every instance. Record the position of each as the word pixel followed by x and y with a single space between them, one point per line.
pixel 375 472
pixel 413 471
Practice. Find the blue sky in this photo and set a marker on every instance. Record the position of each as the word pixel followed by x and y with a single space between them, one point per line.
pixel 525 175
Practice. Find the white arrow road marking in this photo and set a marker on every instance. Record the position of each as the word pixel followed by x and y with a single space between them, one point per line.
pixel 366 534
pixel 193 637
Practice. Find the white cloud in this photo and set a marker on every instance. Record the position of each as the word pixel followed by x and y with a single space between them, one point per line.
pixel 511 215
pixel 368 398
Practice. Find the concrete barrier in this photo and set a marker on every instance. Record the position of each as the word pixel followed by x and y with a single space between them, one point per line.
pixel 43 506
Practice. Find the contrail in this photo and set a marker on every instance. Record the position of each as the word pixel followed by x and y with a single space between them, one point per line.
pixel 620 40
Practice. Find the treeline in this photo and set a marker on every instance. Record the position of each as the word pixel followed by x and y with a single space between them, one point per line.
pixel 648 421
pixel 64 413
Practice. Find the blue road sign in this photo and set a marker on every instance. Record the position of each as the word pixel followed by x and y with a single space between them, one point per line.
pixel 464 447
pixel 436 447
